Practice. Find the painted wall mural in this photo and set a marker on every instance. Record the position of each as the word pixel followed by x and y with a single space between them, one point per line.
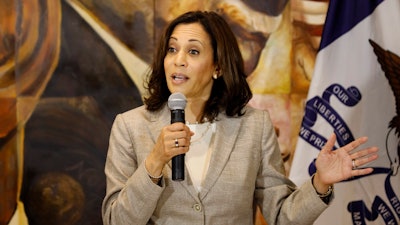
pixel 67 67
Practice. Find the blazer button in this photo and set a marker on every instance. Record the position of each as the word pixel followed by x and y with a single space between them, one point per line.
pixel 197 207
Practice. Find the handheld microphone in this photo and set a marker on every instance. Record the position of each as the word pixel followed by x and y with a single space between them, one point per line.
pixel 177 104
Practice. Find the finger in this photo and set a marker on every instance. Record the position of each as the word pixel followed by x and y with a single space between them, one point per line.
pixel 354 144
pixel 362 161
pixel 361 172
pixel 179 126
pixel 177 134
pixel 180 142
pixel 330 143
pixel 364 152
pixel 176 147
pixel 176 143
pixel 181 150
pixel 187 141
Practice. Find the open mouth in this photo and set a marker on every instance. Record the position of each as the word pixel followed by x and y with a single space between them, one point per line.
pixel 179 77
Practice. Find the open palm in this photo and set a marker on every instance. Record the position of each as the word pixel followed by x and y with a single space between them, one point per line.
pixel 336 166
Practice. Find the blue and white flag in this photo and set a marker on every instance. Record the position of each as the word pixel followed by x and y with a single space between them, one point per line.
pixel 355 91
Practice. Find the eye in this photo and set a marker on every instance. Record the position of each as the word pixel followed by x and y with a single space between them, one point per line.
pixel 171 49
pixel 194 52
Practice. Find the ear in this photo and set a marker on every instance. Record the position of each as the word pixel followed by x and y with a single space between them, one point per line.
pixel 217 73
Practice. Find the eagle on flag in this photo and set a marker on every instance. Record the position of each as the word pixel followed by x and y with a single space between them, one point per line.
pixel 390 64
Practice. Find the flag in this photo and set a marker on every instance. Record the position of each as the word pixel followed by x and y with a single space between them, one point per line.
pixel 355 92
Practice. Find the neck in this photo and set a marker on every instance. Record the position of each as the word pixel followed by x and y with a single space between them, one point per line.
pixel 194 110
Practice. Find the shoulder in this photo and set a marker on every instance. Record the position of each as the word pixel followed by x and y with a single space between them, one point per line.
pixel 135 112
pixel 255 114
pixel 142 116
pixel 249 113
pixel 252 119
pixel 257 119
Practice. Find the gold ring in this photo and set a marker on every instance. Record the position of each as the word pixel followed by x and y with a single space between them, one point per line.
pixel 176 142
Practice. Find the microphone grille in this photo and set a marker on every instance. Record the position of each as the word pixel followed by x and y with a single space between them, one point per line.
pixel 177 101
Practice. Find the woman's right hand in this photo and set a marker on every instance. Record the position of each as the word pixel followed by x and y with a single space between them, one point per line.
pixel 166 147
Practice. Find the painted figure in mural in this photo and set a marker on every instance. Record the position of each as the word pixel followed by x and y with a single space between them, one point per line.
pixel 54 92
pixel 27 60
pixel 66 136
pixel 231 152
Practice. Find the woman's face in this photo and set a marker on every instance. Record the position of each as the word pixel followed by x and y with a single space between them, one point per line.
pixel 189 64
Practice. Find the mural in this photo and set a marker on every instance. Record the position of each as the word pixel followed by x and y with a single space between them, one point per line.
pixel 67 67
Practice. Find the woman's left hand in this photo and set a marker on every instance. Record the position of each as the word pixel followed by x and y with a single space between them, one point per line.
pixel 343 163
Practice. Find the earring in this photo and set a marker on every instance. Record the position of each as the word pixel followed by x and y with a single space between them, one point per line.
pixel 215 76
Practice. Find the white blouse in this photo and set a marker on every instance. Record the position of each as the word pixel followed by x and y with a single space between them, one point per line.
pixel 197 159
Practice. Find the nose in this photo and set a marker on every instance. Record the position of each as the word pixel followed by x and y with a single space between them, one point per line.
pixel 180 59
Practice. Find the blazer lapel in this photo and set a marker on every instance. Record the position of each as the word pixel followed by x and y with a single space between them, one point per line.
pixel 158 121
pixel 225 138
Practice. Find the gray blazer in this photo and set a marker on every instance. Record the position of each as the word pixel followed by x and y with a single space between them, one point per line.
pixel 245 168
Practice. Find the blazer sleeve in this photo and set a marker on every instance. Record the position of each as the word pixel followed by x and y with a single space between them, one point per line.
pixel 131 196
pixel 281 202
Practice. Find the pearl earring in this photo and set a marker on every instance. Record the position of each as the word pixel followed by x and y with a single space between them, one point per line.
pixel 215 76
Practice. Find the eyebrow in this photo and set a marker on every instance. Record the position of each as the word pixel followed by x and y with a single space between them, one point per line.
pixel 190 40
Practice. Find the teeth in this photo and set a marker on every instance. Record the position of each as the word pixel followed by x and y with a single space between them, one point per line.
pixel 178 78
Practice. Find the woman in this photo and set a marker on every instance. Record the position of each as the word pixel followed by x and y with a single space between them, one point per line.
pixel 231 152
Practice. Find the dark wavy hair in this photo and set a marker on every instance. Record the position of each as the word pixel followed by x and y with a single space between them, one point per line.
pixel 230 92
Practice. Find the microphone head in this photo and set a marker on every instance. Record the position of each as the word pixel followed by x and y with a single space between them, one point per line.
pixel 177 101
